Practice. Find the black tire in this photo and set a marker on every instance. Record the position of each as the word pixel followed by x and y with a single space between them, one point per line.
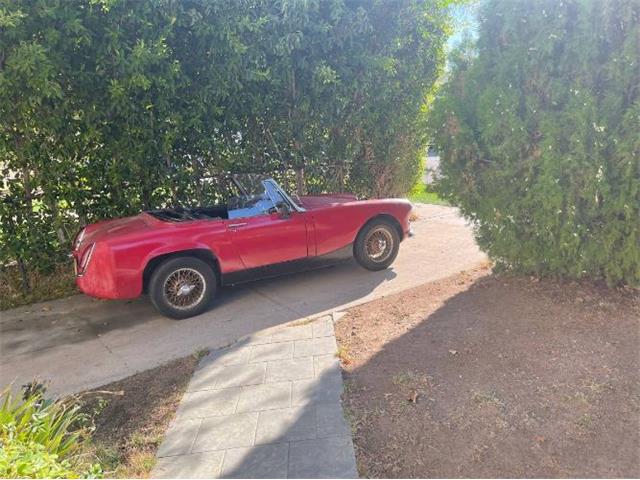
pixel 388 240
pixel 175 274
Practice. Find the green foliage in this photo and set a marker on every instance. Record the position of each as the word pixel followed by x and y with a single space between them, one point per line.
pixel 109 107
pixel 538 130
pixel 425 194
pixel 38 439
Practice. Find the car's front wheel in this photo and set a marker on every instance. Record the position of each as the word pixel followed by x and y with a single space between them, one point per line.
pixel 377 245
pixel 182 287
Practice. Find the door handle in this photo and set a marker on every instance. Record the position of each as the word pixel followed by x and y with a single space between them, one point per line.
pixel 236 225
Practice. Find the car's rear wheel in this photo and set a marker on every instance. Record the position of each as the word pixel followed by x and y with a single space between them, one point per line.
pixel 377 245
pixel 182 287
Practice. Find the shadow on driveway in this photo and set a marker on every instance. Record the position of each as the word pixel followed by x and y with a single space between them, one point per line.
pixel 80 342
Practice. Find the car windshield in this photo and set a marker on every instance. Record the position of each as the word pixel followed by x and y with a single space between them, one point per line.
pixel 249 183
pixel 259 195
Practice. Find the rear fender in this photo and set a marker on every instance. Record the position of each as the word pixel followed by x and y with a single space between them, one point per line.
pixel 203 253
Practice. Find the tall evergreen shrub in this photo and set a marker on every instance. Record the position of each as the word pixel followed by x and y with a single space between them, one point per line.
pixel 539 131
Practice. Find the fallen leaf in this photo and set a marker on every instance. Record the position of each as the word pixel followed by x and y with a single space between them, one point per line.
pixel 413 398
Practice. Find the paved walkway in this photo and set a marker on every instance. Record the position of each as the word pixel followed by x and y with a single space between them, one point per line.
pixel 265 407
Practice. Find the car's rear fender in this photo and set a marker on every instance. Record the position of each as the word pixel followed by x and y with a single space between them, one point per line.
pixel 208 241
pixel 204 254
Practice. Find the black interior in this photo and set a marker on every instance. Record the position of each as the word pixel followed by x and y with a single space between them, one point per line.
pixel 181 214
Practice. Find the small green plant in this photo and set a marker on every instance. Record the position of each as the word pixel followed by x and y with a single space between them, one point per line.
pixel 409 378
pixel 38 438
pixel 201 353
pixel 487 398
pixel 343 355
pixel 585 421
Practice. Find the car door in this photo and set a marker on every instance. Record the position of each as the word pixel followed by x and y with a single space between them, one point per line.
pixel 263 236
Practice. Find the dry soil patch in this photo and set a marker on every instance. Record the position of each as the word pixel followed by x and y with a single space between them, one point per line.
pixel 486 376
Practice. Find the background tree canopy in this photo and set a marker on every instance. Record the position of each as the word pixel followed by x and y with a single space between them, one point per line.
pixel 108 107
pixel 539 132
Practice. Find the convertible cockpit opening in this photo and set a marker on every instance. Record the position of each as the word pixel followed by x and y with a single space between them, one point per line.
pixel 244 196
pixel 180 214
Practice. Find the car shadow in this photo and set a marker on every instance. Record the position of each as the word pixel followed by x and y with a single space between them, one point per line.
pixel 141 338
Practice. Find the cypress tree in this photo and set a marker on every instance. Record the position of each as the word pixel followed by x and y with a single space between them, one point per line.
pixel 539 131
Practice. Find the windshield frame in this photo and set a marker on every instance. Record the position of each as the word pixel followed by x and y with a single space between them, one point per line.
pixel 240 180
pixel 285 195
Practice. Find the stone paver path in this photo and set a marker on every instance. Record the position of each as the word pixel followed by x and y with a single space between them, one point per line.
pixel 266 407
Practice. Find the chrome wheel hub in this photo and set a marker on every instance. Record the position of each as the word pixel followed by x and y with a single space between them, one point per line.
pixel 379 244
pixel 184 288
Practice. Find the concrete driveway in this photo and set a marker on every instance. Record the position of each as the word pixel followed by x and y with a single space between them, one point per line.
pixel 79 342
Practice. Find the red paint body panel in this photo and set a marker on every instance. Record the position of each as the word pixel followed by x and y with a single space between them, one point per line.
pixel 269 239
pixel 125 246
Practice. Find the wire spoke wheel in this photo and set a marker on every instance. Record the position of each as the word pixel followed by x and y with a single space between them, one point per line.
pixel 379 244
pixel 184 288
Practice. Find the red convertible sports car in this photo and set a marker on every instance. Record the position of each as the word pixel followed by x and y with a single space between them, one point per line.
pixel 181 256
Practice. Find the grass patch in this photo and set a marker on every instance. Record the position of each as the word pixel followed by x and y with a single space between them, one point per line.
pixel 201 353
pixel 423 194
pixel 57 284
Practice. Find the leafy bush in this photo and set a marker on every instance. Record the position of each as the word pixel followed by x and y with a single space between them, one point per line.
pixel 39 439
pixel 32 460
pixel 538 131
pixel 108 107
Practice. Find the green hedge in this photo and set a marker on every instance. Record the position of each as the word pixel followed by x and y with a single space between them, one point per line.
pixel 538 128
pixel 108 107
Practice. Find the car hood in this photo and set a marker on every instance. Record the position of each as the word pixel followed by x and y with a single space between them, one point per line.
pixel 316 201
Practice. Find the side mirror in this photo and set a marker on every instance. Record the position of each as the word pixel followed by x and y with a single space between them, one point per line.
pixel 283 209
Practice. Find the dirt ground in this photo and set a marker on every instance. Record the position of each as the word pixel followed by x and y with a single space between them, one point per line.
pixel 486 376
pixel 131 415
